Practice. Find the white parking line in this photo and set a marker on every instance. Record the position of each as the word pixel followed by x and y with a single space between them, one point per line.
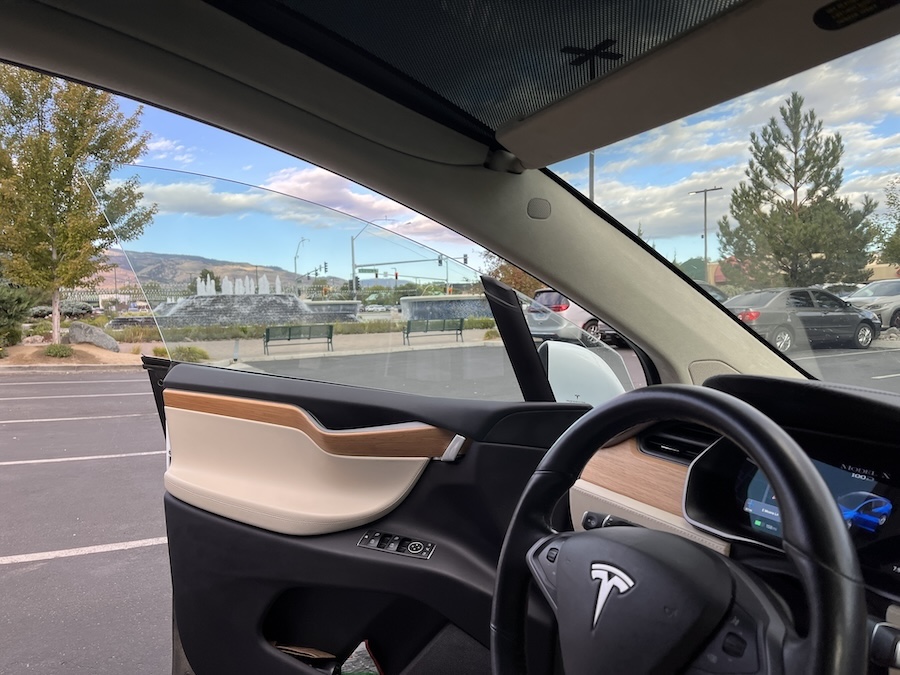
pixel 75 419
pixel 84 550
pixel 83 458
pixel 816 357
pixel 38 398
pixel 885 377
pixel 26 384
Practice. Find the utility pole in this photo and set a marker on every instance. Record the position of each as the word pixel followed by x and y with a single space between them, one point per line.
pixel 705 233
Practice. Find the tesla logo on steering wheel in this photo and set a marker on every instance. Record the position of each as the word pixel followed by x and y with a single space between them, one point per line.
pixel 610 578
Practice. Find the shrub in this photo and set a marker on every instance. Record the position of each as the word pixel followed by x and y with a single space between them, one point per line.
pixel 14 304
pixel 380 326
pixel 59 351
pixel 41 328
pixel 479 322
pixel 189 354
pixel 11 335
pixel 136 349
pixel 491 334
pixel 161 352
pixel 73 309
pixel 67 308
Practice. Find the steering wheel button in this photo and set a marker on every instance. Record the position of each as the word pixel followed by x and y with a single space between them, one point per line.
pixel 551 554
pixel 734 645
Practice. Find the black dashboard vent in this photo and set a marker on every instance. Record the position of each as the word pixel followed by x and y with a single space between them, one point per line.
pixel 678 442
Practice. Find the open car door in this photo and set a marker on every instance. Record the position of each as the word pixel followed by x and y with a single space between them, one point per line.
pixel 320 496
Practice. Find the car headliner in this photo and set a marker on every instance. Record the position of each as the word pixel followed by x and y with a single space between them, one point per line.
pixel 235 77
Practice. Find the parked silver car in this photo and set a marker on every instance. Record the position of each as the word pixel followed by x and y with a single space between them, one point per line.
pixel 882 298
pixel 550 306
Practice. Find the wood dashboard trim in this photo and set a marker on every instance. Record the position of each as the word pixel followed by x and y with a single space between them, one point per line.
pixel 624 469
pixel 411 439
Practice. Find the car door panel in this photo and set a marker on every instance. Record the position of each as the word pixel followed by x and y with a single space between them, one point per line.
pixel 287 474
pixel 241 584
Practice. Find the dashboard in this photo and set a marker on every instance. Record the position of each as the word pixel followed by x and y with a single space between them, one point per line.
pixel 694 483
pixel 850 434
pixel 728 495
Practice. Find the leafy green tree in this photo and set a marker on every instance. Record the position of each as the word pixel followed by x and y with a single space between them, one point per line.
pixel 57 141
pixel 514 277
pixel 192 287
pixel 791 227
pixel 890 223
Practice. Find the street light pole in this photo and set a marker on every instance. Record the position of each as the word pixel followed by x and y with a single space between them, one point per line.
pixel 297 254
pixel 705 233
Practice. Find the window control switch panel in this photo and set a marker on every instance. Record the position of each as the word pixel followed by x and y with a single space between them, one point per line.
pixel 396 543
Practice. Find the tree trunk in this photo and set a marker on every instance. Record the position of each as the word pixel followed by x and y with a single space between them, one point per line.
pixel 55 315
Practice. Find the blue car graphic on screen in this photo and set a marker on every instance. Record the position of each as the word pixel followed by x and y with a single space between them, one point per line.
pixel 864 510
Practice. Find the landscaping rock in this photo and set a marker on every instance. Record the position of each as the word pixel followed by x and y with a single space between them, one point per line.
pixel 81 332
pixel 33 340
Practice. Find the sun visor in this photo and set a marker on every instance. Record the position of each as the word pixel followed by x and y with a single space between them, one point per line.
pixel 754 45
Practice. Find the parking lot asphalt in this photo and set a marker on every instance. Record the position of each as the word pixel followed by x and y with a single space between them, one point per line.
pixel 84 571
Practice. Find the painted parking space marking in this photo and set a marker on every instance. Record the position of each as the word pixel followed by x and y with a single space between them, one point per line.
pixel 75 419
pixel 84 550
pixel 817 357
pixel 59 382
pixel 41 398
pixel 84 458
pixel 885 377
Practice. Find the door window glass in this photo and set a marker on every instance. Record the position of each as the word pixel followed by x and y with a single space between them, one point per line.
pixel 827 300
pixel 245 278
pixel 799 299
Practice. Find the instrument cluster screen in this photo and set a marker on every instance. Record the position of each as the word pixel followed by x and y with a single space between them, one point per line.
pixel 866 504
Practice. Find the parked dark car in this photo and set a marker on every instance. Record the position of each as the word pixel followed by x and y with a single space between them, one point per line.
pixel 790 316
pixel 717 294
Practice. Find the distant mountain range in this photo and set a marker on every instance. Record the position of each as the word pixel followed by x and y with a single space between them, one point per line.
pixel 170 269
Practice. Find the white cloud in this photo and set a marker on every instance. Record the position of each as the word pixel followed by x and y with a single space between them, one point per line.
pixel 323 187
pixel 162 148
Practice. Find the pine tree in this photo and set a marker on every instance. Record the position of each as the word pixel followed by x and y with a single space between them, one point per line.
pixel 791 226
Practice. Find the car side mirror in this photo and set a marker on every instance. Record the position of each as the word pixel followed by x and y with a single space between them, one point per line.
pixel 577 374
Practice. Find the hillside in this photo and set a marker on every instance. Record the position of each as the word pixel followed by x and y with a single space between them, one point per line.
pixel 177 270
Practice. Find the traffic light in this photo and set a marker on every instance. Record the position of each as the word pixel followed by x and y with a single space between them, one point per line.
pixel 325 265
pixel 356 285
pixel 440 260
pixel 465 258
pixel 396 275
pixel 376 274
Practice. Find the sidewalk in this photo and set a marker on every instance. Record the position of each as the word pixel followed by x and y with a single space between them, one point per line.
pixel 224 352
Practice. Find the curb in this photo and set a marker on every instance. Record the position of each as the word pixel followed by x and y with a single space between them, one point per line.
pixel 68 367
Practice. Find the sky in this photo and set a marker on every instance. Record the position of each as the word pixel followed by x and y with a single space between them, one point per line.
pixel 644 181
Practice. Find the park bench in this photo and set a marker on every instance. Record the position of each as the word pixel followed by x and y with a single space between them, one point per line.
pixel 310 332
pixel 433 326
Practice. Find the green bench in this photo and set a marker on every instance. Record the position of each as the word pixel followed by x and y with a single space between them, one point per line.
pixel 310 332
pixel 426 326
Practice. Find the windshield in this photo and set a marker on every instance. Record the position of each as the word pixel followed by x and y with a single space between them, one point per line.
pixel 877 289
pixel 796 186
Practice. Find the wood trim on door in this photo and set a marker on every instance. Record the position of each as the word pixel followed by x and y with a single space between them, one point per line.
pixel 410 439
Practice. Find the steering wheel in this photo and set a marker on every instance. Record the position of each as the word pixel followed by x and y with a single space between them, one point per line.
pixel 629 600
